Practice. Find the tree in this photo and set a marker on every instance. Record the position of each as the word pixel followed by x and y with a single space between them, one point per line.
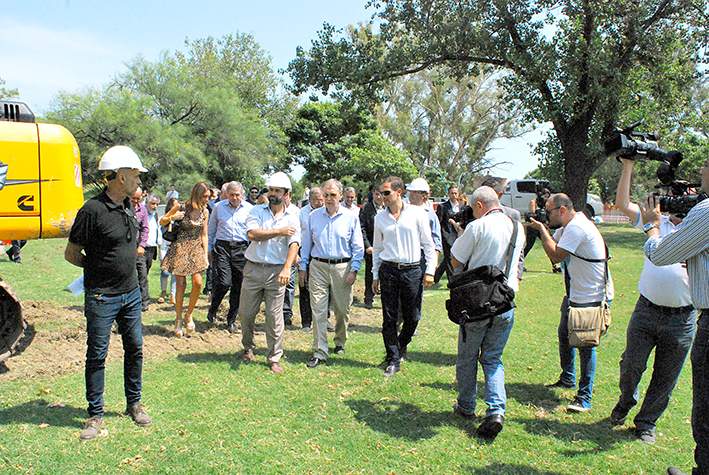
pixel 339 140
pixel 212 114
pixel 569 62
pixel 7 93
pixel 447 124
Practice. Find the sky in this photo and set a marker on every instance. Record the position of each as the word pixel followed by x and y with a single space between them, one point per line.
pixel 66 45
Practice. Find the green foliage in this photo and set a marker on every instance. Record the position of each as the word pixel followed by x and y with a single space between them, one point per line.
pixel 343 141
pixel 7 93
pixel 575 64
pixel 448 124
pixel 213 113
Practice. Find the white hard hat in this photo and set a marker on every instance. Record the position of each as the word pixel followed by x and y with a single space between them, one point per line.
pixel 279 180
pixel 418 184
pixel 121 156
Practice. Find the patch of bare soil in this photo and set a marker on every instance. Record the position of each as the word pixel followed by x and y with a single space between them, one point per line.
pixel 55 340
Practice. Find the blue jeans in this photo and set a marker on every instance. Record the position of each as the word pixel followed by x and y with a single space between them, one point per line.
pixel 101 311
pixel 400 289
pixel 485 342
pixel 671 334
pixel 567 357
pixel 700 394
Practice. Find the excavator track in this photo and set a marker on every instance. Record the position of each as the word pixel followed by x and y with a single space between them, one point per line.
pixel 12 324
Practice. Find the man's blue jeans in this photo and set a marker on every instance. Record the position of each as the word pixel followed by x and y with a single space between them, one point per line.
pixel 485 342
pixel 567 356
pixel 671 334
pixel 700 394
pixel 101 311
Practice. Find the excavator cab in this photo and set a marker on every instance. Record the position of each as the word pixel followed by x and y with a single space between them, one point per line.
pixel 40 194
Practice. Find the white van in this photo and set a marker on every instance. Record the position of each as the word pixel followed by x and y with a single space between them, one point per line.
pixel 518 194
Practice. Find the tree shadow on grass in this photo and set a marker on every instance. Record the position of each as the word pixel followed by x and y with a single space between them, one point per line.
pixel 38 412
pixel 404 420
pixel 600 433
pixel 506 469
pixel 355 327
pixel 435 358
pixel 233 359
pixel 533 394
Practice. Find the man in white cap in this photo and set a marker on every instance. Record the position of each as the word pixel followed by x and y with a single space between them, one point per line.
pixel 273 230
pixel 104 242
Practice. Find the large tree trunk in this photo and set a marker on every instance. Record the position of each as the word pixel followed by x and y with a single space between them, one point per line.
pixel 578 165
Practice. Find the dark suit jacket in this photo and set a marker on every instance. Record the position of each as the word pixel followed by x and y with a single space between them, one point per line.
pixel 445 213
pixel 366 219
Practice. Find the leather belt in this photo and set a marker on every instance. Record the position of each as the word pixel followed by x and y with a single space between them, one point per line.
pixel 333 261
pixel 667 310
pixel 232 243
pixel 401 265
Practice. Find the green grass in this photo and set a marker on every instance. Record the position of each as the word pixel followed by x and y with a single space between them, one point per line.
pixel 213 414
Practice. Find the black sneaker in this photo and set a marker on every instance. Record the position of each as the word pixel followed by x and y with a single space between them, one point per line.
pixel 92 428
pixel 232 328
pixel 560 384
pixel 618 416
pixel 137 413
pixel 339 350
pixel 646 435
pixel 391 370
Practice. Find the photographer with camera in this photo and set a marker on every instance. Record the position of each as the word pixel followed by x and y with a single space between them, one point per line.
pixel 579 245
pixel 690 243
pixel 537 210
pixel 662 320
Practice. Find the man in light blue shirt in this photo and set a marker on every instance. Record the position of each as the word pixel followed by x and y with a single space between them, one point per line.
pixel 315 201
pixel 333 247
pixel 227 244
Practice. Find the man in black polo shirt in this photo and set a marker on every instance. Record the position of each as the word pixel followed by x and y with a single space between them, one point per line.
pixel 106 230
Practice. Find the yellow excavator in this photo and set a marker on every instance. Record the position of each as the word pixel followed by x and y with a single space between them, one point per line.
pixel 40 194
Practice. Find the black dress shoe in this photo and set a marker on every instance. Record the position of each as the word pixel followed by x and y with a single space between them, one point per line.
pixel 232 328
pixel 314 362
pixel 211 318
pixel 491 426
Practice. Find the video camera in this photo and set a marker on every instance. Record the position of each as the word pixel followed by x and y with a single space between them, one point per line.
pixel 675 196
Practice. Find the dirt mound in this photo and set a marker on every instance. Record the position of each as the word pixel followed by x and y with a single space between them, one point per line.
pixel 55 340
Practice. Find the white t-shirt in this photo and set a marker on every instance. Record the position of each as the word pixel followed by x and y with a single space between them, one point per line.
pixel 485 242
pixel 582 238
pixel 664 285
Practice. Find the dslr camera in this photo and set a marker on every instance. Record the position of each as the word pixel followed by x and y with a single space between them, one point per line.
pixel 540 215
pixel 675 196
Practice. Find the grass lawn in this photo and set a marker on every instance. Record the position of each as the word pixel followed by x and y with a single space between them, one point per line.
pixel 213 414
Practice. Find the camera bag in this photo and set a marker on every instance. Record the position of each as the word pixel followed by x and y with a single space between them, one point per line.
pixel 481 293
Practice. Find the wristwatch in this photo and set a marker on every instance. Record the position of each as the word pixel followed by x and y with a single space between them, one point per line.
pixel 648 226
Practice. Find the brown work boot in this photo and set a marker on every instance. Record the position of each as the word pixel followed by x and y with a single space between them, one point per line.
pixel 276 367
pixel 248 355
pixel 92 428
pixel 137 413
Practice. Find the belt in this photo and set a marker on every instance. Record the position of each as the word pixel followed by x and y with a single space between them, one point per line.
pixel 402 265
pixel 262 264
pixel 333 261
pixel 667 310
pixel 232 243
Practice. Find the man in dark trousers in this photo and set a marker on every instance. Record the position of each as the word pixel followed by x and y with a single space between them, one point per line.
pixel 104 242
pixel 227 244
pixel 366 219
pixel 445 212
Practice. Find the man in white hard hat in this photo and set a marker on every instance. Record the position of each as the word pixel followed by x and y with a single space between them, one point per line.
pixel 104 242
pixel 273 230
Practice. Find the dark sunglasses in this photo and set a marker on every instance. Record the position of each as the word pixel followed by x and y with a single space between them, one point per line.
pixel 387 192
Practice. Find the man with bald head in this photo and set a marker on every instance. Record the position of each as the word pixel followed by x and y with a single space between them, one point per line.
pixel 486 241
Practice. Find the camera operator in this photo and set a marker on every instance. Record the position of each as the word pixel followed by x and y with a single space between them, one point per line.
pixel 690 243
pixel 579 245
pixel 537 210
pixel 662 320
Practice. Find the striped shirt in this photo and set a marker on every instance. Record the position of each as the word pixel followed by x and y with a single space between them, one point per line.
pixel 690 242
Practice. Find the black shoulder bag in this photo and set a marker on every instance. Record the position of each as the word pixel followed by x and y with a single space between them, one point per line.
pixel 170 230
pixel 481 293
